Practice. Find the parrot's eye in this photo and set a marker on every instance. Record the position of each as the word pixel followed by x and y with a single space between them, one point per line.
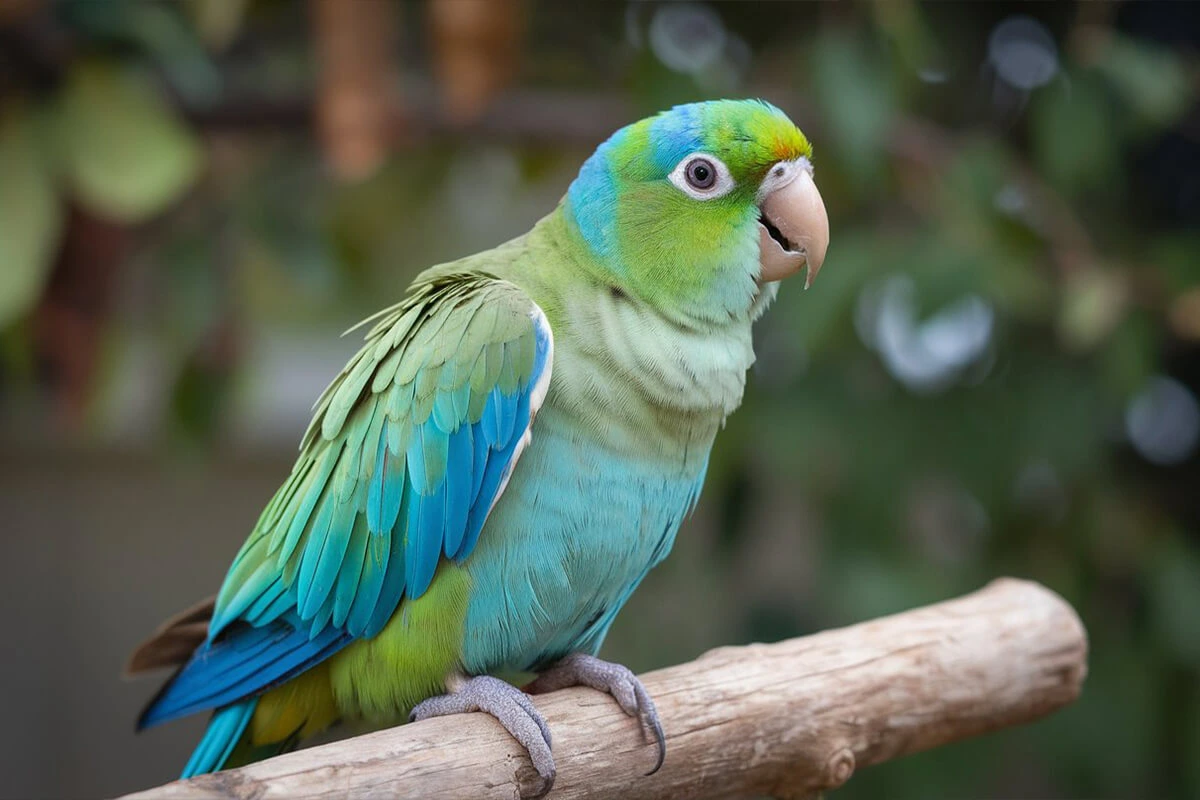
pixel 702 176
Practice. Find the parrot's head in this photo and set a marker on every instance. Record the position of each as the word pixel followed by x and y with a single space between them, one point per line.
pixel 701 205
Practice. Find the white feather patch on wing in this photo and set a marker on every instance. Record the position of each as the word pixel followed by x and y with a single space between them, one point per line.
pixel 537 396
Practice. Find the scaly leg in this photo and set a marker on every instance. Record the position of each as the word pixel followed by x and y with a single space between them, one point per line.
pixel 580 669
pixel 511 708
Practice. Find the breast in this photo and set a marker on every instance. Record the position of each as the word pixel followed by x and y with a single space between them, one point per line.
pixel 577 529
pixel 644 385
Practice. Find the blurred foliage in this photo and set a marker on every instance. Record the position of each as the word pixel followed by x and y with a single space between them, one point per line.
pixel 30 218
pixel 123 155
pixel 102 137
pixel 1014 259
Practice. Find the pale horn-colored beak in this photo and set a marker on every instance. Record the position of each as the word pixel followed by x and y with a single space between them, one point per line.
pixel 797 229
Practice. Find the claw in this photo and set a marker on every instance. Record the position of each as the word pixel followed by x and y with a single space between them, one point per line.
pixel 650 719
pixel 510 707
pixel 580 669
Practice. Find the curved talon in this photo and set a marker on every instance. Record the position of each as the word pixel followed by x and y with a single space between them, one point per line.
pixel 580 669
pixel 510 707
pixel 651 720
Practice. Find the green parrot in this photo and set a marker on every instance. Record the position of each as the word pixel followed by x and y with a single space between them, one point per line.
pixel 512 450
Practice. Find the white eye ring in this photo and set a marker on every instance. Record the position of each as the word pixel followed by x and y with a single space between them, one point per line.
pixel 702 176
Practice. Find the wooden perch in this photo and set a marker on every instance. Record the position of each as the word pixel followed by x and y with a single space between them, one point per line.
pixel 786 720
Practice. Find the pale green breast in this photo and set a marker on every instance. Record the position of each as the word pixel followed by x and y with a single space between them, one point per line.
pixel 617 459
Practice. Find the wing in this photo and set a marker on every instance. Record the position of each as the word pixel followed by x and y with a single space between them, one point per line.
pixel 408 451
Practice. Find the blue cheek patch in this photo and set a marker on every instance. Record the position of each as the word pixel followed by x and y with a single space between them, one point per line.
pixel 592 198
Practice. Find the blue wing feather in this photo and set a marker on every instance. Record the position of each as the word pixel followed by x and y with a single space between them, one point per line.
pixel 391 587
pixel 271 604
pixel 375 489
pixel 366 520
pixel 425 536
pixel 494 472
pixel 415 461
pixel 348 580
pixel 491 416
pixel 480 452
pixel 508 413
pixel 459 494
pixel 375 568
pixel 307 504
pixel 304 563
pixel 333 555
pixel 244 662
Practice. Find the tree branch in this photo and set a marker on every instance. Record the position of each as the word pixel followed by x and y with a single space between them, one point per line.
pixel 787 719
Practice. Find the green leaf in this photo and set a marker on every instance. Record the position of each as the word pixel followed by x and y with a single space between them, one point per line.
pixel 125 155
pixel 1152 80
pixel 1073 127
pixel 30 216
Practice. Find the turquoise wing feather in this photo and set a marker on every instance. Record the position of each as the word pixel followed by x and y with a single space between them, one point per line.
pixel 406 454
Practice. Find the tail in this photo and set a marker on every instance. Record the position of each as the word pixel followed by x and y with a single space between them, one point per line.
pixel 224 731
pixel 174 641
pixel 274 671
pixel 173 645
pixel 228 743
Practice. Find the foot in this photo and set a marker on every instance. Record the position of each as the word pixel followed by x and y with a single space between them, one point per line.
pixel 580 669
pixel 511 708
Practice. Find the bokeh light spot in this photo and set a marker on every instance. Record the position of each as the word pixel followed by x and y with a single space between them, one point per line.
pixel 1163 421
pixel 1023 53
pixel 687 37
pixel 925 356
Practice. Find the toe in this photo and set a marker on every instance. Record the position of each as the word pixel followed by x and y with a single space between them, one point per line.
pixel 619 681
pixel 440 706
pixel 513 709
pixel 546 771
pixel 509 706
pixel 625 695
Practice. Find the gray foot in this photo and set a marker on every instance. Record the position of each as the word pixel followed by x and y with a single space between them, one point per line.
pixel 511 708
pixel 580 669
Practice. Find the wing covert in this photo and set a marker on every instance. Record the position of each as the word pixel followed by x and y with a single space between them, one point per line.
pixel 405 455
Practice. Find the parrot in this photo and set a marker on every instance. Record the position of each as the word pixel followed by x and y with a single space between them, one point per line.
pixel 512 450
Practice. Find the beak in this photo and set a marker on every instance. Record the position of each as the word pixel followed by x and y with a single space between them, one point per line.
pixel 793 225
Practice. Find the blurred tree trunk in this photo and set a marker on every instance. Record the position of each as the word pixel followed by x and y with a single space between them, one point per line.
pixel 355 94
pixel 477 42
pixel 69 323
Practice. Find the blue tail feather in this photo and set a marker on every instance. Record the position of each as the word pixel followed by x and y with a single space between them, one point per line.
pixel 224 731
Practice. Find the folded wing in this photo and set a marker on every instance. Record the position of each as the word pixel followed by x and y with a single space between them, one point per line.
pixel 408 451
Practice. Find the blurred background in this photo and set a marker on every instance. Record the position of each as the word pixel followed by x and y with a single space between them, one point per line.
pixel 997 373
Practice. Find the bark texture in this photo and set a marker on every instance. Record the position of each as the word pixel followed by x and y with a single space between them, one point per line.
pixel 785 720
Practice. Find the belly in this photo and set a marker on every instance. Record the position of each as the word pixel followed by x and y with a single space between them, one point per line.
pixel 574 533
